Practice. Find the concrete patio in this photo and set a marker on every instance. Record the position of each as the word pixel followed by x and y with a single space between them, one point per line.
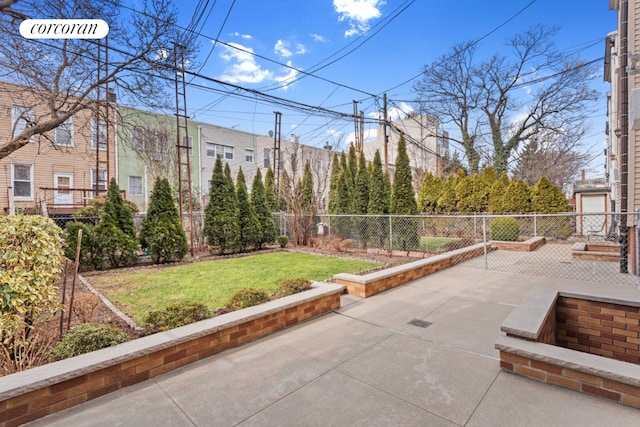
pixel 365 364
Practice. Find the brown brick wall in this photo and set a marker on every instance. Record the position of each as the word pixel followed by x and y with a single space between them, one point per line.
pixel 549 373
pixel 27 407
pixel 605 329
pixel 528 246
pixel 378 286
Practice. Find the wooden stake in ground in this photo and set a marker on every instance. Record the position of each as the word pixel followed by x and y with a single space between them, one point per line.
pixel 64 291
pixel 75 274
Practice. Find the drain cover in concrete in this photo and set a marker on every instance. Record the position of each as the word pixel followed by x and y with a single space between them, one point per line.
pixel 420 323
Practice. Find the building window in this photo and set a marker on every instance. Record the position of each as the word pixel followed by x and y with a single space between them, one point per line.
pixel 189 144
pixel 21 118
pixel 135 185
pixel 64 133
pixel 224 152
pixel 211 150
pixel 22 179
pixel 228 152
pixel 137 138
pixel 267 157
pixel 248 155
pixel 99 135
pixel 102 181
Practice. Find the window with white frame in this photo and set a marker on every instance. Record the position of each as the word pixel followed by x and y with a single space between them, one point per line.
pixel 64 133
pixel 211 150
pixel 99 134
pixel 267 157
pixel 21 118
pixel 22 181
pixel 224 152
pixel 248 155
pixel 102 181
pixel 228 152
pixel 135 186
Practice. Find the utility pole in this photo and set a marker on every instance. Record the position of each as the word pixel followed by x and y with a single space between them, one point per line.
pixel 183 146
pixel 276 147
pixel 356 129
pixel 386 138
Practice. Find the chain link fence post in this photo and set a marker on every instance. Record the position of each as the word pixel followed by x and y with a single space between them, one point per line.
pixel 484 240
pixel 329 227
pixel 535 224
pixel 390 236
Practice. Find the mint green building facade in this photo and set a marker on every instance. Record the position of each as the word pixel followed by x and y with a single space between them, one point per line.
pixel 147 149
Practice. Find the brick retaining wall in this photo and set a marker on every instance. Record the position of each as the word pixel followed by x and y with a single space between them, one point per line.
pixel 376 282
pixel 44 390
pixel 586 328
pixel 606 329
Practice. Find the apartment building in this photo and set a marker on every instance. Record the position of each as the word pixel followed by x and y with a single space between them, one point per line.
pixel 622 70
pixel 60 170
pixel 426 145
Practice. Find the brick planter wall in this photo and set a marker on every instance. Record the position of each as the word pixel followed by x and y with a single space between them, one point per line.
pixel 44 390
pixel 606 329
pixel 587 327
pixel 621 392
pixel 527 246
pixel 376 282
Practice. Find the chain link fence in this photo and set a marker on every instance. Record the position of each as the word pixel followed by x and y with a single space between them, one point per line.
pixel 582 247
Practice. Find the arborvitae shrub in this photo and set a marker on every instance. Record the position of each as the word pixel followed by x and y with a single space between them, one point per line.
pixel 86 338
pixel 247 298
pixel 505 229
pixel 293 286
pixel 161 229
pixel 90 255
pixel 176 315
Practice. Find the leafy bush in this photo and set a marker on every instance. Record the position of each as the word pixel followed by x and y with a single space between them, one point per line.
pixel 176 315
pixel 30 260
pixel 293 286
pixel 282 240
pixel 86 338
pixel 247 298
pixel 505 229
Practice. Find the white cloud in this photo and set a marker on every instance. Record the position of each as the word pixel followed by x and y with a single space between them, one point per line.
pixel 243 68
pixel 358 13
pixel 395 114
pixel 318 38
pixel 244 36
pixel 282 48
pixel 287 79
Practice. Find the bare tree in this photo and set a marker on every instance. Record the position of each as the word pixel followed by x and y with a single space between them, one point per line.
pixel 558 156
pixel 64 74
pixel 504 101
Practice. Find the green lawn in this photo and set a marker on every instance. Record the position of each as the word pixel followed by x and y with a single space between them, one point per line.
pixel 435 244
pixel 213 282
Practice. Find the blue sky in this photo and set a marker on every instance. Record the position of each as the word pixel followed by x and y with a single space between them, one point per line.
pixel 373 47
